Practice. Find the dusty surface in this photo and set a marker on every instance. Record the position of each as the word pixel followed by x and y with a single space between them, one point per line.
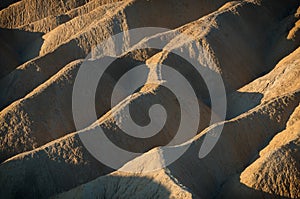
pixel 254 45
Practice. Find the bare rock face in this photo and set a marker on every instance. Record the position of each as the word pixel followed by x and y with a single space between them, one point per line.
pixel 275 171
pixel 253 45
pixel 155 185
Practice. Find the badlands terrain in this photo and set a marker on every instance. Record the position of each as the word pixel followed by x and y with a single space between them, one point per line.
pixel 253 45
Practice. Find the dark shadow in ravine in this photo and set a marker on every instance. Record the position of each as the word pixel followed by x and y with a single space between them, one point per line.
pixel 17 47
pixel 56 178
pixel 237 146
pixel 233 188
pixel 42 175
pixel 241 102
pixel 120 187
pixel 5 4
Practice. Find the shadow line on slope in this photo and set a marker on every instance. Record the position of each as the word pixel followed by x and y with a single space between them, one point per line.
pixel 43 174
pixel 22 46
pixel 234 188
pixel 119 187
pixel 223 162
pixel 241 102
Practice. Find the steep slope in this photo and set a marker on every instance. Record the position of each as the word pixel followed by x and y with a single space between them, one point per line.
pixel 276 170
pixel 53 168
pixel 50 22
pixel 17 50
pixel 204 177
pixel 31 74
pixel 28 123
pixel 223 162
pixel 275 173
pixel 155 185
pixel 65 149
pixel 283 79
pixel 214 34
pixel 26 11
pixel 281 159
pixel 238 62
pixel 127 15
pixel 69 150
pixel 59 50
pixel 252 44
pixel 267 120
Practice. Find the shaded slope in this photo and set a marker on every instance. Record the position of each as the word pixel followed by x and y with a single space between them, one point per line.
pixel 246 134
pixel 223 161
pixel 155 185
pixel 258 152
pixel 127 15
pixel 226 34
pixel 283 79
pixel 69 152
pixel 275 172
pixel 50 22
pixel 27 11
pixel 31 74
pixel 62 50
pixel 17 50
pixel 28 122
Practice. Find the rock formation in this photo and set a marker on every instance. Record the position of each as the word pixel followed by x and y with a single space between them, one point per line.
pixel 253 45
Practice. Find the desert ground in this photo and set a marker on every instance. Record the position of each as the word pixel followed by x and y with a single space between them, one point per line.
pixel 252 45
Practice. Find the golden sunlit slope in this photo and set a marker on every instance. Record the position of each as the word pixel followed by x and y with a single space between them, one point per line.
pixel 253 45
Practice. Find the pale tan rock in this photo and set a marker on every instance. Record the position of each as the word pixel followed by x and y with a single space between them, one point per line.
pixel 252 44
